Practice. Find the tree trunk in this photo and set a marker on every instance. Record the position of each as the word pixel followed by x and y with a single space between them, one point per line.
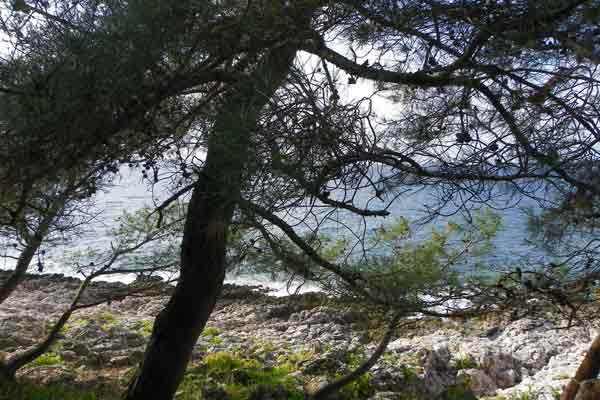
pixel 20 270
pixel 588 369
pixel 210 211
pixel 34 242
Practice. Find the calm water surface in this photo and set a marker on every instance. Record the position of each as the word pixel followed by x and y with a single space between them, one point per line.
pixel 130 193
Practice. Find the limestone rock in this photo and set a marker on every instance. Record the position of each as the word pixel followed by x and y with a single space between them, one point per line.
pixel 479 382
pixel 504 369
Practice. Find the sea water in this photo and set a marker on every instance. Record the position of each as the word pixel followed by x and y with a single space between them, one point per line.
pixel 129 192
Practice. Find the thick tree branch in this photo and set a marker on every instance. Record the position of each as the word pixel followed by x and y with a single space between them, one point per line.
pixel 420 78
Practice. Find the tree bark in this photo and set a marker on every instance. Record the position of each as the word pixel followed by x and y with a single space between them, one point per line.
pixel 588 369
pixel 34 242
pixel 210 211
pixel 20 270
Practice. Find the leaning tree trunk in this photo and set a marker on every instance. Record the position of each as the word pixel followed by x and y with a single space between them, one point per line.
pixel 210 210
pixel 18 274
pixel 34 242
pixel 588 369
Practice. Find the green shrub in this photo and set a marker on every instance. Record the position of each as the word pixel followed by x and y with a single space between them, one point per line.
pixel 465 363
pixel 215 341
pixel 72 324
pixel 144 326
pixel 211 331
pixel 293 360
pixel 411 375
pixel 238 376
pixel 49 358
pixel 359 389
pixel 29 391
pixel 458 392
pixel 108 320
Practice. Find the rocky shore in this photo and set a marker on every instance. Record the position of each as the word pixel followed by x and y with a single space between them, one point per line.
pixel 313 338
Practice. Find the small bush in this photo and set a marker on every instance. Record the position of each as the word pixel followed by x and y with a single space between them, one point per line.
pixel 465 363
pixel 29 391
pixel 211 331
pixel 108 320
pixel 238 376
pixel 49 358
pixel 215 341
pixel 144 326
pixel 72 324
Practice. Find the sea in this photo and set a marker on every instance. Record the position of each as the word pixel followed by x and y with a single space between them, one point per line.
pixel 514 244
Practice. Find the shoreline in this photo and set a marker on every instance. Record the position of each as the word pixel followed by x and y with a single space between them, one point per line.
pixel 102 344
pixel 260 282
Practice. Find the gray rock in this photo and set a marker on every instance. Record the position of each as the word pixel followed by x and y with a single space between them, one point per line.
pixel 522 356
pixel 438 374
pixel 214 393
pixel 333 361
pixel 80 348
pixel 387 396
pixel 68 355
pixel 281 311
pixel 352 316
pixel 504 369
pixel 479 382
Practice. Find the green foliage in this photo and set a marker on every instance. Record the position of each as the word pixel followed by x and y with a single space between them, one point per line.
pixel 361 388
pixel 281 255
pixel 461 391
pixel 486 224
pixel 397 268
pixel 108 320
pixel 408 269
pixel 29 391
pixel 399 230
pixel 238 376
pixel 211 331
pixel 75 323
pixel 389 358
pixel 108 317
pixel 465 363
pixel 260 346
pixel 410 374
pixel 333 250
pixel 144 326
pixel 144 223
pixel 137 242
pixel 49 358
pixel 531 395
pixel 293 360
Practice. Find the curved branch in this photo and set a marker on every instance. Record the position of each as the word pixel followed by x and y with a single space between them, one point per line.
pixel 348 277
pixel 524 141
pixel 438 79
pixel 588 369
pixel 326 391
